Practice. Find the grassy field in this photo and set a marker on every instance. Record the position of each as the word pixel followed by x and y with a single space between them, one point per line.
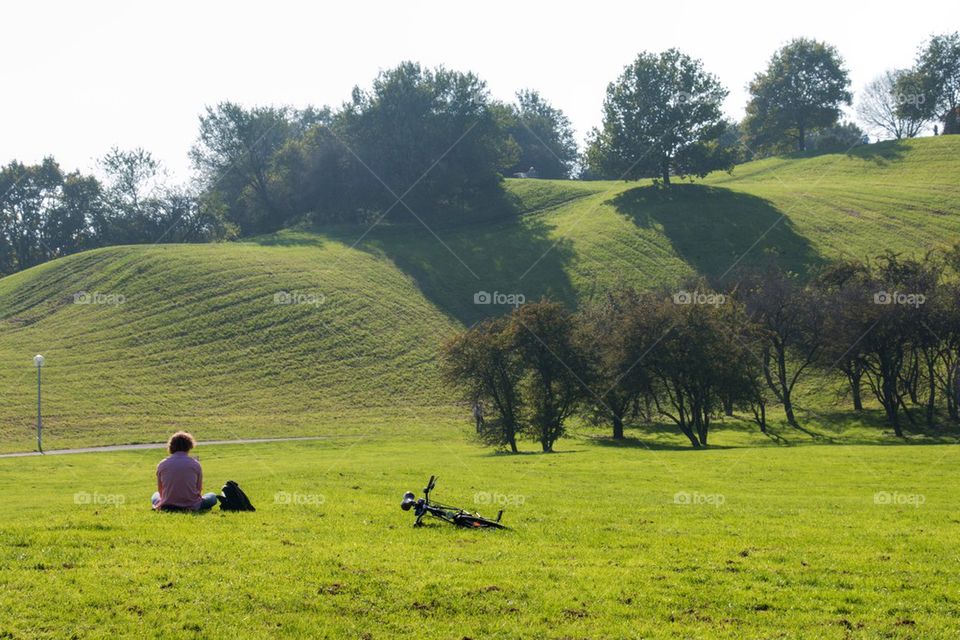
pixel 745 540
pixel 193 336
pixel 846 533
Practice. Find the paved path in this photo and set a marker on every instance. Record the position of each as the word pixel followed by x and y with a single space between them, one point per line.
pixel 154 445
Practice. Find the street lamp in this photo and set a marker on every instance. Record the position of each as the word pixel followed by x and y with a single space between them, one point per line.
pixel 38 360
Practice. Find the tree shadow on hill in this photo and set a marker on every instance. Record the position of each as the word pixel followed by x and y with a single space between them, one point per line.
pixel 717 230
pixel 870 428
pixel 880 152
pixel 472 265
pixel 481 269
pixel 289 238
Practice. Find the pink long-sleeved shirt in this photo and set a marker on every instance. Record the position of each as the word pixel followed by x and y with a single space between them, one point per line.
pixel 179 481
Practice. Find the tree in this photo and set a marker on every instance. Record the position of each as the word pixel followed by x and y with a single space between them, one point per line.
pixel 802 88
pixel 893 320
pixel 617 333
pixel 315 177
pixel 427 137
pixel 842 288
pixel 70 227
pixel 482 364
pixel 790 321
pixel 662 117
pixel 879 106
pixel 543 335
pixel 132 180
pixel 139 206
pixel 838 138
pixel 36 224
pixel 233 155
pixel 544 137
pixel 938 72
pixel 700 363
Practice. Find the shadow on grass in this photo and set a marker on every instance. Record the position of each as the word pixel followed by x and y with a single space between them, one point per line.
pixel 293 238
pixel 497 453
pixel 451 260
pixel 880 152
pixel 716 229
pixel 869 427
pixel 653 445
pixel 461 269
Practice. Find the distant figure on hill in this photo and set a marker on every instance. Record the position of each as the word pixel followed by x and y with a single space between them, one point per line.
pixel 180 478
pixel 478 414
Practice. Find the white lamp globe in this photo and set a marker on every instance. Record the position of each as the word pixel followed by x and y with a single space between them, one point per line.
pixel 38 360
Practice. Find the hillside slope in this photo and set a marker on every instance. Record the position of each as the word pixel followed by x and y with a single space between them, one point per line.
pixel 903 196
pixel 192 336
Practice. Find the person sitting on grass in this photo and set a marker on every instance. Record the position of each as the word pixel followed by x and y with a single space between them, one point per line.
pixel 180 478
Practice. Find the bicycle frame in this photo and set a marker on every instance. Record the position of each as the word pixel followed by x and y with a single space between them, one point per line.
pixel 454 515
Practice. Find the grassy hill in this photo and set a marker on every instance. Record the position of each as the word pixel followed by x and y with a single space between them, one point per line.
pixel 198 339
pixel 193 336
pixel 898 195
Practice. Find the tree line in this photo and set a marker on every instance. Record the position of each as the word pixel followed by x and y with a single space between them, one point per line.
pixel 890 328
pixel 432 145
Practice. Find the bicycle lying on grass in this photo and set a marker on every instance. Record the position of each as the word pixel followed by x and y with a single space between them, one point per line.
pixel 453 515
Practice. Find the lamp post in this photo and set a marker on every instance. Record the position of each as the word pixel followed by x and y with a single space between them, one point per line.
pixel 38 360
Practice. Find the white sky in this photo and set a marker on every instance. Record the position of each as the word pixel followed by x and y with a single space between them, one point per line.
pixel 80 77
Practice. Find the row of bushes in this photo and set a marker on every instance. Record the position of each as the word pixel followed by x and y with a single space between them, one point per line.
pixel 891 327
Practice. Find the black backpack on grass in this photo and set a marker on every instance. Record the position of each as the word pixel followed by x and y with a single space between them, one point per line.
pixel 232 498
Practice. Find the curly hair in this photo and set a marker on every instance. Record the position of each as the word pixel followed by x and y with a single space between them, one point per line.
pixel 180 441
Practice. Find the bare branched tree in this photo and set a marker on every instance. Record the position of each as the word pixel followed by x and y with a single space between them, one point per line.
pixel 878 107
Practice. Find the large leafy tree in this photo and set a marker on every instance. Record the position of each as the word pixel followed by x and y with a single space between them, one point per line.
pixel 233 156
pixel 554 365
pixel 482 364
pixel 803 88
pixel 43 213
pixel 617 333
pixel 662 117
pixel 789 319
pixel 544 137
pixel 701 363
pixel 423 143
pixel 938 71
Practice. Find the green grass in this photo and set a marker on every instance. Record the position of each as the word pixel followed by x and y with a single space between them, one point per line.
pixel 599 548
pixel 199 343
pixel 789 542
pixel 198 340
pixel 902 196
